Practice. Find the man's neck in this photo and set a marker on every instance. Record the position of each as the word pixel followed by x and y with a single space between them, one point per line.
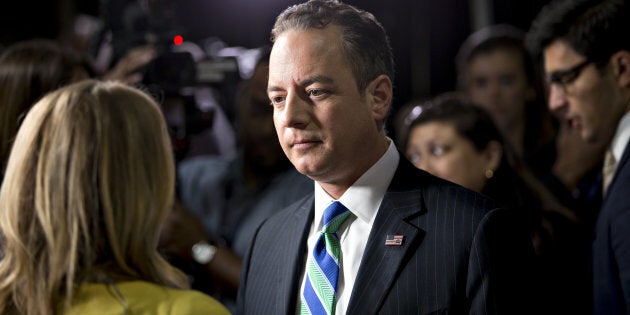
pixel 336 188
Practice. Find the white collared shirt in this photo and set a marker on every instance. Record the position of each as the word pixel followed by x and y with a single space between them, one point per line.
pixel 619 142
pixel 363 199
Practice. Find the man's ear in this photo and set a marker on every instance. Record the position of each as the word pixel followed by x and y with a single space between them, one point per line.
pixel 379 93
pixel 620 62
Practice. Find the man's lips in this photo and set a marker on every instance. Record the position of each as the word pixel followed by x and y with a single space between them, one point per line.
pixel 304 143
pixel 573 121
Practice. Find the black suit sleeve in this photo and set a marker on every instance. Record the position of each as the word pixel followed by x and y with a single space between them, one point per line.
pixel 501 266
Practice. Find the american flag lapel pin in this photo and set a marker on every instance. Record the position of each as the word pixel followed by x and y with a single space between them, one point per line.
pixel 394 240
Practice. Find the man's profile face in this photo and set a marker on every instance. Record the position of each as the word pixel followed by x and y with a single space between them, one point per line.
pixel 586 99
pixel 323 122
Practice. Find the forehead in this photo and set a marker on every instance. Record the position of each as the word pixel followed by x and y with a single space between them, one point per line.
pixel 434 129
pixel 495 60
pixel 559 55
pixel 303 52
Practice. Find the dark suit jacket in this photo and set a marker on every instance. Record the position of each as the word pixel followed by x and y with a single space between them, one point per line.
pixel 611 247
pixel 460 254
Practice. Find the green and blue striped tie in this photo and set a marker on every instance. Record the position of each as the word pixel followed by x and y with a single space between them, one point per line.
pixel 322 266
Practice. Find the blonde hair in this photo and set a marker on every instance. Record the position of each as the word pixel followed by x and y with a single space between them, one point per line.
pixel 88 183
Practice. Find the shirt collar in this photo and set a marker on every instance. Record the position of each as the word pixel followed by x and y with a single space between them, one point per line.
pixel 364 197
pixel 619 142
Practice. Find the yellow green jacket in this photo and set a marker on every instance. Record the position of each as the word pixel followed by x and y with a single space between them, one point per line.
pixel 141 298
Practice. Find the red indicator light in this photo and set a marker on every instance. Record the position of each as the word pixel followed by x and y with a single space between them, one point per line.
pixel 178 40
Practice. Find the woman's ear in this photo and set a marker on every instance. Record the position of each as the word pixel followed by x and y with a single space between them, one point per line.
pixel 379 93
pixel 494 153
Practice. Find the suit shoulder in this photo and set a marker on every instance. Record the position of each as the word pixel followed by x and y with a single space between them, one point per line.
pixel 299 208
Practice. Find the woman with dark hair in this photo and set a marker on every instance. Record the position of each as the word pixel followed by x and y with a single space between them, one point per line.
pixel 28 70
pixel 458 141
pixel 496 72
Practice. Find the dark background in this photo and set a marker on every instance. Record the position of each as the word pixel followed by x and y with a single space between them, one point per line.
pixel 425 34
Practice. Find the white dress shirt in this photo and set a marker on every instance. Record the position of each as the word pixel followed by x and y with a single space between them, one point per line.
pixel 363 199
pixel 619 142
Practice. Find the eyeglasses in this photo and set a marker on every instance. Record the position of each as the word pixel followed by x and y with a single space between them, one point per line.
pixel 565 77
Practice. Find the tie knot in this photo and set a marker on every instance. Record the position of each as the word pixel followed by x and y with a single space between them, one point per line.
pixel 609 160
pixel 610 166
pixel 334 215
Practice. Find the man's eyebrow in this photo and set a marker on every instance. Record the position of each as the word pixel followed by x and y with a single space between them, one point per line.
pixel 316 79
pixel 273 88
pixel 305 82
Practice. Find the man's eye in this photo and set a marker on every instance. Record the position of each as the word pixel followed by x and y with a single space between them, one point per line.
pixel 568 78
pixel 315 92
pixel 276 100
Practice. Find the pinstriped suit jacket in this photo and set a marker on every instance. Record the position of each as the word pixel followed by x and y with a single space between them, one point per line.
pixel 460 255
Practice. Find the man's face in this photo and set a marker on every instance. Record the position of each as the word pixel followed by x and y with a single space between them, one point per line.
pixel 587 99
pixel 326 126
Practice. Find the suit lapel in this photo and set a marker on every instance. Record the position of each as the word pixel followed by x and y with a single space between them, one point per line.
pixel 295 232
pixel 381 263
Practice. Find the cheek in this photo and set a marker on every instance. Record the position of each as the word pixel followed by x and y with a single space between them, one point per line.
pixel 516 93
pixel 463 170
pixel 477 95
pixel 446 168
pixel 587 103
pixel 278 130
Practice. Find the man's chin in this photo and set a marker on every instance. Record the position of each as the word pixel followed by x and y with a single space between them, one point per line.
pixel 307 169
pixel 589 137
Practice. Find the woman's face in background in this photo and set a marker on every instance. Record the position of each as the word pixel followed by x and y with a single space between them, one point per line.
pixel 497 81
pixel 437 148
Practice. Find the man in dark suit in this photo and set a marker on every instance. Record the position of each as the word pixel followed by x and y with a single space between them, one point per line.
pixel 411 242
pixel 586 54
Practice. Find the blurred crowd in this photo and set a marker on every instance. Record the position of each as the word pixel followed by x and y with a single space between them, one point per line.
pixel 494 134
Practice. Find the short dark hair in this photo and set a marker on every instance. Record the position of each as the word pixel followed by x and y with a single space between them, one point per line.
pixel 364 39
pixel 594 28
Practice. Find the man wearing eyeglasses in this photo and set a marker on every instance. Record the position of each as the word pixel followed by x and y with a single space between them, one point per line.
pixel 586 58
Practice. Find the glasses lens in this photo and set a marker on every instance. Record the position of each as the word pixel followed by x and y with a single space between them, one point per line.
pixel 564 77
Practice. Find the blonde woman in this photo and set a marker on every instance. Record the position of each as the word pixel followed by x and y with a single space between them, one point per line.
pixel 88 183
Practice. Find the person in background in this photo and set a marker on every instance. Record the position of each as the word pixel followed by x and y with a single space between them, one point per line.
pixel 585 54
pixel 28 70
pixel 81 208
pixel 496 71
pixel 457 140
pixel 31 68
pixel 399 240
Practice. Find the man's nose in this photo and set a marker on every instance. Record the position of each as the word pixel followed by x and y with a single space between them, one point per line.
pixel 295 112
pixel 557 97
